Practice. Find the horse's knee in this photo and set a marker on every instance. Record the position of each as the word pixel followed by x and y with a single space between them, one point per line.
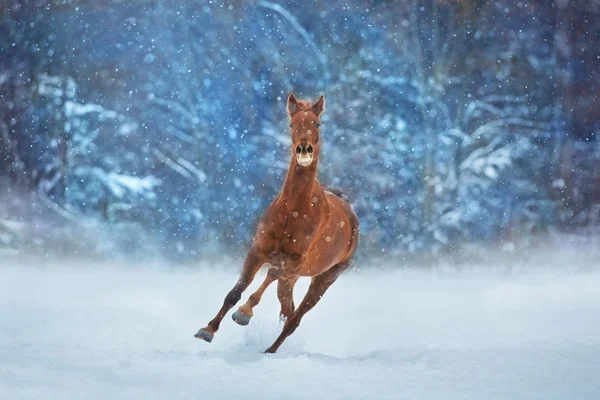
pixel 233 296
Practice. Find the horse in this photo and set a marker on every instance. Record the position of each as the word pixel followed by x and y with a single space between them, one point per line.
pixel 306 231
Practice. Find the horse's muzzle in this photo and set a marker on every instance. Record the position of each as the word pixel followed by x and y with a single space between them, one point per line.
pixel 304 154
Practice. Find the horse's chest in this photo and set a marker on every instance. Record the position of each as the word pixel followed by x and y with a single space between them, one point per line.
pixel 298 235
pixel 292 243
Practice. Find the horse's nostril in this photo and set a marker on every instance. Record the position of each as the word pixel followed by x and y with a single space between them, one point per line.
pixel 309 149
pixel 298 150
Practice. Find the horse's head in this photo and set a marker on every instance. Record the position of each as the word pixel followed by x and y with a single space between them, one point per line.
pixel 304 124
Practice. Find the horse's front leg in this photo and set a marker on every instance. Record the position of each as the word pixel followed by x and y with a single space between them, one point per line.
pixel 285 293
pixel 244 313
pixel 254 260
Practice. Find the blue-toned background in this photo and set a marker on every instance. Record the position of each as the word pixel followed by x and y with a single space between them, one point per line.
pixel 157 128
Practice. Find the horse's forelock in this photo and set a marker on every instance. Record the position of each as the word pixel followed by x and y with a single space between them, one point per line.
pixel 304 105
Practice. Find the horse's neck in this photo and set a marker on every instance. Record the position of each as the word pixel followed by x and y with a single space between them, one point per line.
pixel 299 184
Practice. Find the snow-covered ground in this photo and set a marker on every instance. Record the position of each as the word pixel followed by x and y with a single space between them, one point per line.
pixel 127 333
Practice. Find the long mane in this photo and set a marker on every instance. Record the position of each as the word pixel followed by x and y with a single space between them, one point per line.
pixel 339 192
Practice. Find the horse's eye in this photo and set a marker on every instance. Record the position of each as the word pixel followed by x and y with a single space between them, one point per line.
pixel 318 125
pixel 291 126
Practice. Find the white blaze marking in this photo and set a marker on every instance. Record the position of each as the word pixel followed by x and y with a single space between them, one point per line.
pixel 295 214
pixel 308 132
pixel 314 199
pixel 328 239
pixel 342 224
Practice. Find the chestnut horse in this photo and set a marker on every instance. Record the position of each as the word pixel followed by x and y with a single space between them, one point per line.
pixel 306 231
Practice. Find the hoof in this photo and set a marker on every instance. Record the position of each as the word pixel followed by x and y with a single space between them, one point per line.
pixel 270 350
pixel 204 335
pixel 240 318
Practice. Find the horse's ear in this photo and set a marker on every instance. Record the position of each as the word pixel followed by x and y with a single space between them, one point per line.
pixel 319 106
pixel 292 105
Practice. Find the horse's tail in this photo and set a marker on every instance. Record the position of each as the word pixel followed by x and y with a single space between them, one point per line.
pixel 341 193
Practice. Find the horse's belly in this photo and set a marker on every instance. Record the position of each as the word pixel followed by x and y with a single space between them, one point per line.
pixel 306 263
pixel 315 267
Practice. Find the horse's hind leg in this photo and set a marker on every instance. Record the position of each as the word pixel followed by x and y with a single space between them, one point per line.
pixel 254 260
pixel 285 293
pixel 244 313
pixel 317 288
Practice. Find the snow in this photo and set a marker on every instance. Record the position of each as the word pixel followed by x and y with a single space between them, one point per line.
pixel 120 184
pixel 75 109
pixel 108 332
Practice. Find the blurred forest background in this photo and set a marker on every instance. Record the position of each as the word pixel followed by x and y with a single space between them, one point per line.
pixel 157 128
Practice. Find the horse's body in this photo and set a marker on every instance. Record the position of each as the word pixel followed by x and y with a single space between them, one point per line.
pixel 306 231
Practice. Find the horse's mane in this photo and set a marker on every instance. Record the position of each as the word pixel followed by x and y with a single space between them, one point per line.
pixel 341 193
